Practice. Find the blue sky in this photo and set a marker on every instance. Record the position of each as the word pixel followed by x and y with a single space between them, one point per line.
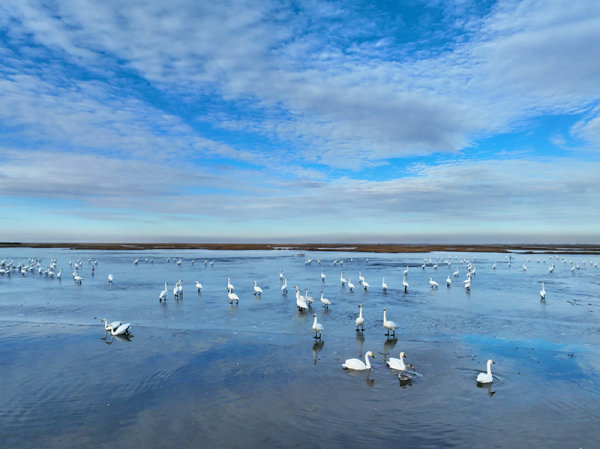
pixel 380 121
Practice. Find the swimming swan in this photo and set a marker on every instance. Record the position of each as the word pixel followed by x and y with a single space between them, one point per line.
pixel 486 378
pixel 357 364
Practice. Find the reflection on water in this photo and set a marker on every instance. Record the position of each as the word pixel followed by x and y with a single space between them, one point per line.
pixel 200 367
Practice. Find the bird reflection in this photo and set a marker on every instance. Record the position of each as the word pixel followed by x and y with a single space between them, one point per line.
pixel 123 338
pixel 487 387
pixel 388 345
pixel 405 379
pixel 368 381
pixel 317 347
pixel 360 338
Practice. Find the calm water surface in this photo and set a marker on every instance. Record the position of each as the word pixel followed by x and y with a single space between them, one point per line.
pixel 199 372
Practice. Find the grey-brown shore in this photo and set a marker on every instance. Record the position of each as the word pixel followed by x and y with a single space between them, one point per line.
pixel 348 247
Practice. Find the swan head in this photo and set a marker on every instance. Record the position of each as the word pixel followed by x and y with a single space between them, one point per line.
pixel 402 355
pixel 315 315
pixel 370 354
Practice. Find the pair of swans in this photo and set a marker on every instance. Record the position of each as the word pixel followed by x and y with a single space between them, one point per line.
pixel 116 328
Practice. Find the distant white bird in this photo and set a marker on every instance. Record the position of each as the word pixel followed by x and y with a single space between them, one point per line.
pixel 358 365
pixel 404 283
pixel 257 289
pixel 317 328
pixel 176 290
pixel 406 271
pixel 350 285
pixel 383 285
pixel 486 378
pixel 232 297
pixel 284 287
pixel 389 325
pixel 433 283
pixel 77 278
pixel 543 292
pixel 198 285
pixel 281 275
pixel 365 284
pixel 456 273
pixel 524 267
pixel 322 276
pixel 59 274
pixel 110 278
pixel 163 294
pixel 494 266
pixel 325 301
pixel 360 278
pixel 448 281
pixel 360 320
pixel 342 280
pixel 136 261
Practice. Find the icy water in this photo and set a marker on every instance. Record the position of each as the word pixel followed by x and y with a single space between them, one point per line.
pixel 200 372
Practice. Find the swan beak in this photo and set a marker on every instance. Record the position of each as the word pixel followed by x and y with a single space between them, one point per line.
pixel 493 362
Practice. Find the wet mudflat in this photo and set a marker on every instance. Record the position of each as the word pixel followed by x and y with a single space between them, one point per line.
pixel 201 372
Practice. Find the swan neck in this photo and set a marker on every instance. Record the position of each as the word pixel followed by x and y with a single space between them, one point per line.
pixel 367 361
pixel 489 368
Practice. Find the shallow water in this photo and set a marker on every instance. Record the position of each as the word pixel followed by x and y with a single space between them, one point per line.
pixel 200 372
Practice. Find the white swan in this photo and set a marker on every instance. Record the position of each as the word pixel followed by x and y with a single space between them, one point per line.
pixel 360 320
pixel 110 278
pixel 281 275
pixel 300 301
pixel 59 274
pixel 361 278
pixel 543 292
pixel 122 329
pixel 325 301
pixel 433 283
pixel 257 289
pixel 342 280
pixel 176 290
pixel 456 273
pixel 284 287
pixel 365 284
pixel 163 294
pixel 317 328
pixel 448 281
pixel 486 378
pixel 404 283
pixel 232 297
pixel 198 285
pixel 383 285
pixel 389 325
pixel 397 363
pixel 357 364
pixel 323 276
pixel 350 285
pixel 309 299
pixel 406 271
pixel 78 278
pixel 110 326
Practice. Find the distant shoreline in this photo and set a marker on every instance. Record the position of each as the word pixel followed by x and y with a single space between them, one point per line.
pixel 322 247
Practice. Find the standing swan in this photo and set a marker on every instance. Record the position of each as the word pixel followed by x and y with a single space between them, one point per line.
pixel 389 325
pixel 163 294
pixel 404 283
pixel 543 292
pixel 317 328
pixel 284 287
pixel 198 286
pixel 484 378
pixel 232 297
pixel 350 285
pixel 325 301
pixel 384 285
pixel 433 283
pixel 360 320
pixel 110 278
pixel 257 289
pixel 357 364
